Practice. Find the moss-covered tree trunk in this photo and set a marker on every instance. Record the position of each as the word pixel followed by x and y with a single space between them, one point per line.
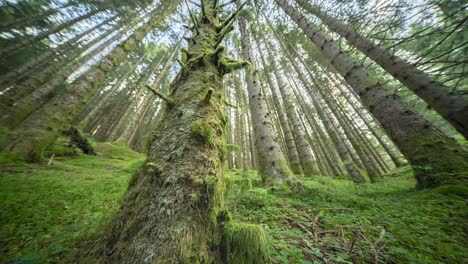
pixel 436 158
pixel 42 128
pixel 272 166
pixel 452 106
pixel 173 208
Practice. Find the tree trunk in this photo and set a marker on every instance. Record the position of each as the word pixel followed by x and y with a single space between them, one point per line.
pixel 10 50
pixel 19 22
pixel 244 136
pixel 24 107
pixel 97 107
pixel 173 209
pixel 293 155
pixel 419 140
pixel 452 106
pixel 309 164
pixel 272 165
pixel 371 125
pixel 26 69
pixel 42 83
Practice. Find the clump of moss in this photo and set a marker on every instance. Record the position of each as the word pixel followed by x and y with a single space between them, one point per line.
pixel 204 131
pixel 78 138
pixel 232 147
pixel 244 243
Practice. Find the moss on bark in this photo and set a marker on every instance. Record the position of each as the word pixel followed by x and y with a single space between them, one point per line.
pixel 173 208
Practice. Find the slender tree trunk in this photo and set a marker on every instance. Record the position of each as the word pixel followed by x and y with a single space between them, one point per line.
pixel 10 50
pixel 243 135
pixel 373 127
pixel 418 139
pixel 156 85
pixel 345 158
pixel 452 106
pixel 121 126
pixel 24 70
pixel 309 164
pixel 173 209
pixel 272 165
pixel 24 107
pixel 96 108
pixel 19 22
pixel 31 94
pixel 42 128
pixel 293 155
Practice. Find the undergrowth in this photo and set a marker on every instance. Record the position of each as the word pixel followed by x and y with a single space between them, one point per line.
pixel 336 221
pixel 44 208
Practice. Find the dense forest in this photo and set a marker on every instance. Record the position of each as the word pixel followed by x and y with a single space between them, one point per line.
pixel 233 131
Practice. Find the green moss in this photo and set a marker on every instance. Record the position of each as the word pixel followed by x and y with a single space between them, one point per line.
pixel 461 190
pixel 45 207
pixel 244 244
pixel 204 131
pixel 78 138
pixel 419 226
pixel 232 147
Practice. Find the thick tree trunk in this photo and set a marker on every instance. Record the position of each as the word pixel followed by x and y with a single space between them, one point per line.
pixel 452 106
pixel 419 140
pixel 173 209
pixel 41 129
pixel 272 165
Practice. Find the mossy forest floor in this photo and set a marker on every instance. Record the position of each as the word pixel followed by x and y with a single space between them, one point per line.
pixel 44 208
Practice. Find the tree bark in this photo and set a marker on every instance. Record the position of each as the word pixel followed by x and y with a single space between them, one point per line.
pixel 173 209
pixel 293 155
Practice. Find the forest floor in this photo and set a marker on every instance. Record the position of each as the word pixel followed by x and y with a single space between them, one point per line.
pixel 44 208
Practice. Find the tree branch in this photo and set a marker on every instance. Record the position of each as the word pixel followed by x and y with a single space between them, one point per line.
pixel 163 97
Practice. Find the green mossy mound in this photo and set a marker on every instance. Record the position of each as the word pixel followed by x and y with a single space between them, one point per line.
pixel 244 244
